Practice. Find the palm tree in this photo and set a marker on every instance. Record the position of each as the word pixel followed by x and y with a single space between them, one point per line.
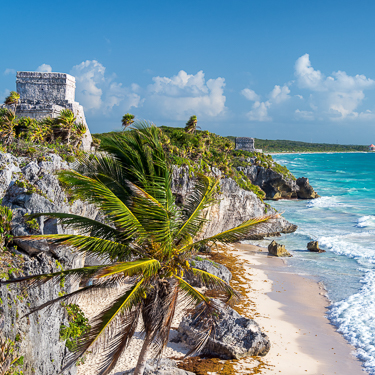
pixel 8 123
pixel 66 120
pixel 191 125
pixel 148 239
pixel 127 120
pixel 12 99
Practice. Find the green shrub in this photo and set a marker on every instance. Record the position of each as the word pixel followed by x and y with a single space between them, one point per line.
pixel 78 325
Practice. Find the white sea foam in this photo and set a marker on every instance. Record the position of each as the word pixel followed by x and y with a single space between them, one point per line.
pixel 324 202
pixel 355 319
pixel 365 221
pixel 350 244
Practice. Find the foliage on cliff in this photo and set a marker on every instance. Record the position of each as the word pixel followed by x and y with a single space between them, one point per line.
pixel 202 150
pixel 149 236
pixel 268 145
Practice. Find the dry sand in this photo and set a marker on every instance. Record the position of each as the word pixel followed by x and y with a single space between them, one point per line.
pixel 290 309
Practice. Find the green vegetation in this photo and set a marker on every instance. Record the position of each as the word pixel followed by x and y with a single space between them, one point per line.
pixel 295 146
pixel 6 216
pixel 25 136
pixel 149 238
pixel 127 120
pixel 78 326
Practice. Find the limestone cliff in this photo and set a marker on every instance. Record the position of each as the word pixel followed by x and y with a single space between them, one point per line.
pixel 235 205
pixel 277 185
pixel 28 186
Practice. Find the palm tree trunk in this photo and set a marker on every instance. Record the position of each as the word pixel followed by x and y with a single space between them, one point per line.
pixel 140 368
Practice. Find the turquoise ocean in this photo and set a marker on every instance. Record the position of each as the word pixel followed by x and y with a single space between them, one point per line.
pixel 343 221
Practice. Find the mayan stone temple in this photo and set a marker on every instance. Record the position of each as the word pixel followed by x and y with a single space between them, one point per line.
pixel 46 94
pixel 246 144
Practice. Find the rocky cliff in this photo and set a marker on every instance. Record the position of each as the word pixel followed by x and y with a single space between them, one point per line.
pixel 277 185
pixel 31 186
pixel 28 186
pixel 235 205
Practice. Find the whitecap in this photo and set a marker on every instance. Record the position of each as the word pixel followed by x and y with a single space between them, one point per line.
pixel 324 202
pixel 365 221
pixel 355 319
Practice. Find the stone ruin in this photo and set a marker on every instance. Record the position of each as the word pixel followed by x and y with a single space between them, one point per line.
pixel 246 144
pixel 46 94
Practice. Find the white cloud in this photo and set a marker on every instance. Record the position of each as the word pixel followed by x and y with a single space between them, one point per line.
pixel 280 94
pixel 182 95
pixel 250 94
pixel 304 115
pixel 259 112
pixel 337 96
pixel 98 92
pixel 44 68
pixel 9 71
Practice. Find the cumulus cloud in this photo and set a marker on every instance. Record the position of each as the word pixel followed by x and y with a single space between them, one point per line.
pixel 184 94
pixel 337 96
pixel 9 71
pixel 250 94
pixel 259 110
pixel 280 94
pixel 44 68
pixel 97 91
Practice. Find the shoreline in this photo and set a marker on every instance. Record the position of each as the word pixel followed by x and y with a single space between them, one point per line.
pixel 319 152
pixel 291 310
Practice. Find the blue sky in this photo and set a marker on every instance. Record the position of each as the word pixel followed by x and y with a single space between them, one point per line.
pixel 270 69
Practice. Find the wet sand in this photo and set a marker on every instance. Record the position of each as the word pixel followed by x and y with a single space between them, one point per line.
pixel 292 312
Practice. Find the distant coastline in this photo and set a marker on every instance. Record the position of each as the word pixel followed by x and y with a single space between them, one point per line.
pixel 318 152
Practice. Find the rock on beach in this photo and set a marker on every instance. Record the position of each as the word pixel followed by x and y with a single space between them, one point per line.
pixel 278 250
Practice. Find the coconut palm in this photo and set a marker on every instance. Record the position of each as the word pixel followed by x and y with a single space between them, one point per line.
pixel 12 100
pixel 127 120
pixel 66 120
pixel 191 125
pixel 148 241
pixel 8 124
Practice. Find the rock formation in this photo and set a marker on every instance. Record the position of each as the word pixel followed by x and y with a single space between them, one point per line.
pixel 278 250
pixel 235 336
pixel 28 186
pixel 306 191
pixel 278 186
pixel 46 94
pixel 314 247
pixel 234 206
pixel 209 266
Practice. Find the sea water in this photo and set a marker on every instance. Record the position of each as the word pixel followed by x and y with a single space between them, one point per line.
pixel 343 221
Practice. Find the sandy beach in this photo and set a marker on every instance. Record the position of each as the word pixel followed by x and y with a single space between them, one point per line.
pixel 289 308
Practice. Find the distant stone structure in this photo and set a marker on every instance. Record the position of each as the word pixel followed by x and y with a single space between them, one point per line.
pixel 46 94
pixel 246 144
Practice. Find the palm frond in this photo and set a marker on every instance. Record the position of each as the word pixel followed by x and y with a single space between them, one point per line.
pixel 146 267
pixel 193 294
pixel 84 225
pixel 93 245
pixel 198 200
pixel 250 227
pixel 36 280
pixel 95 192
pixel 122 309
pixel 216 283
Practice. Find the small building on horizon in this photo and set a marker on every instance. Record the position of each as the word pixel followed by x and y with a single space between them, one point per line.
pixel 371 147
pixel 246 144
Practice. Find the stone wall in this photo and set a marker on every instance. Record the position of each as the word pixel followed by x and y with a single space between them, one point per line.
pixel 46 95
pixel 245 144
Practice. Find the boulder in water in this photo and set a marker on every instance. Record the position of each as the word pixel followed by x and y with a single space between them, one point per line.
pixel 314 246
pixel 278 250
